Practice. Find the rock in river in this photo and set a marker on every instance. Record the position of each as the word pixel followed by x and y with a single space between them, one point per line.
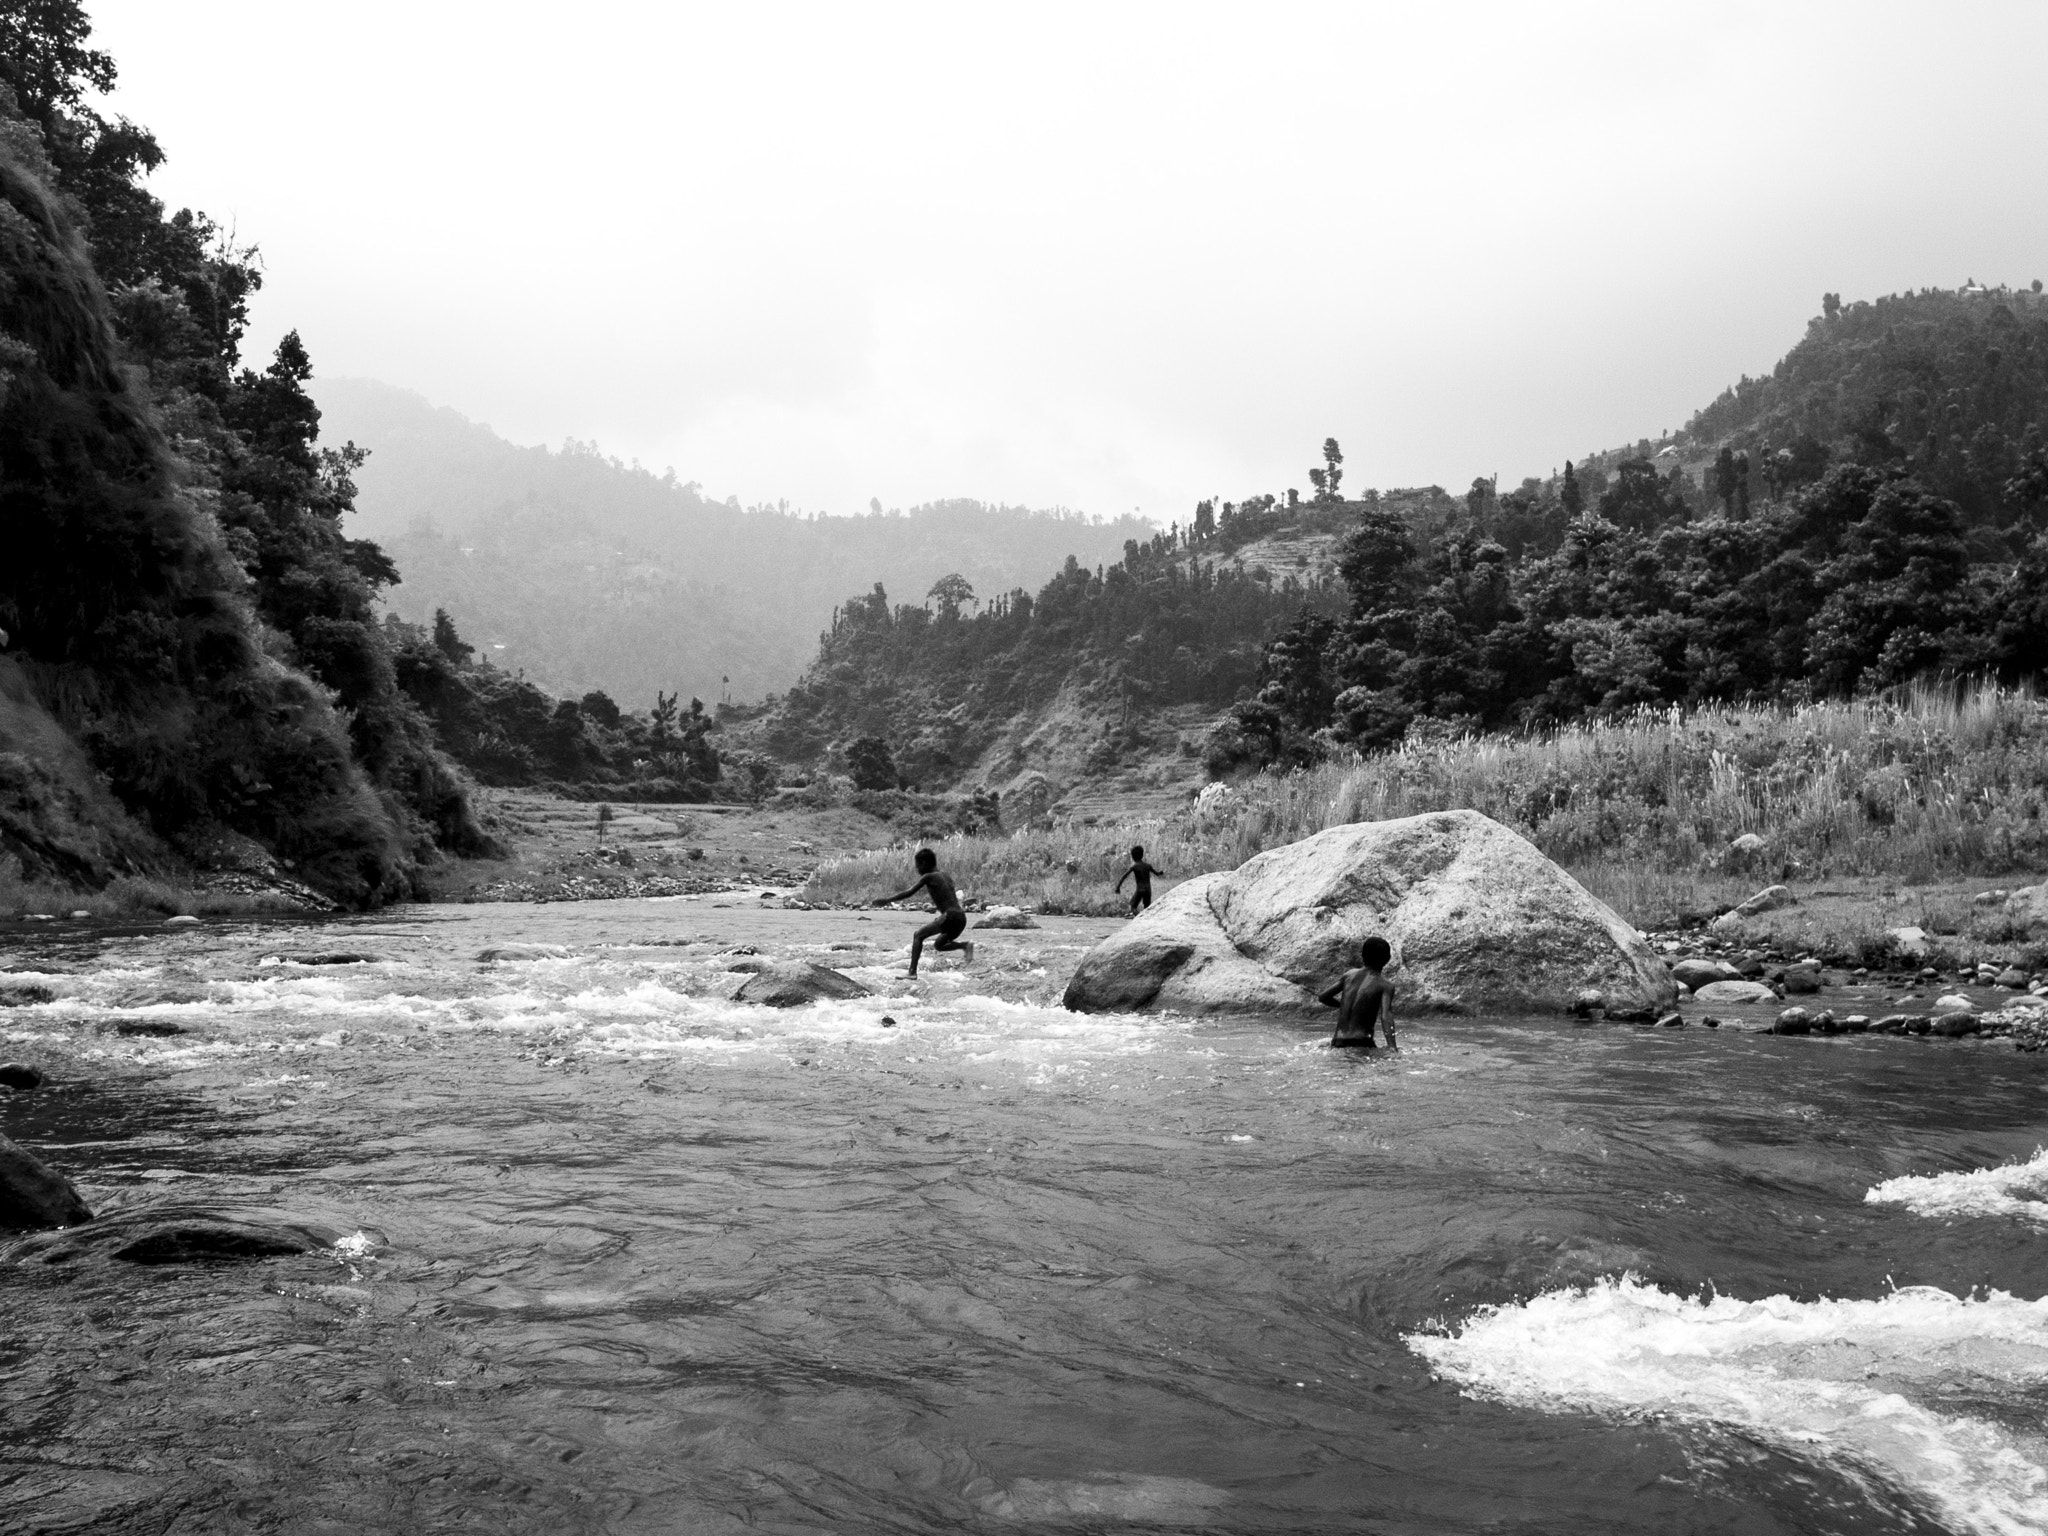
pixel 33 1194
pixel 15 1074
pixel 796 985
pixel 1735 992
pixel 178 1234
pixel 1477 917
pixel 1699 973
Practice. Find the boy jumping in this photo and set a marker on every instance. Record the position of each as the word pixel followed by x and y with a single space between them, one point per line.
pixel 952 919
pixel 1362 996
pixel 1141 891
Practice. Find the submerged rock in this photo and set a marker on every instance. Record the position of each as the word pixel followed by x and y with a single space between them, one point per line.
pixel 522 952
pixel 178 1234
pixel 1477 917
pixel 15 1074
pixel 34 1195
pixel 794 984
pixel 25 995
pixel 163 1027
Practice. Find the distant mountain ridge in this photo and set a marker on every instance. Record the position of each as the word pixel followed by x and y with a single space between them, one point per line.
pixel 587 573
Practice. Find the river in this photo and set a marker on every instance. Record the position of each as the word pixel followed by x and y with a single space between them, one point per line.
pixel 620 1256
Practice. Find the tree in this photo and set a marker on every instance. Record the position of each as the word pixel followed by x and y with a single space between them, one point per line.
pixel 597 706
pixel 447 641
pixel 661 720
pixel 1327 478
pixel 871 764
pixel 950 592
pixel 44 60
pixel 1724 479
pixel 1573 498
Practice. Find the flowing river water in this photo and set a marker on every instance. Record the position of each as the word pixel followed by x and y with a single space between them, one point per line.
pixel 618 1255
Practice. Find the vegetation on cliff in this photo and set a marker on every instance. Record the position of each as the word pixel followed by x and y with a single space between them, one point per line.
pixel 179 595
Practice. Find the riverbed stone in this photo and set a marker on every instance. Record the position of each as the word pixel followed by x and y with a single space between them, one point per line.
pixel 796 984
pixel 1802 978
pixel 1698 972
pixel 1793 1021
pixel 1725 992
pixel 18 994
pixel 33 1195
pixel 1954 1002
pixel 15 1074
pixel 1478 919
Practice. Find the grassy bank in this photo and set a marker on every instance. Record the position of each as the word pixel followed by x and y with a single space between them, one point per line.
pixel 133 896
pixel 1926 786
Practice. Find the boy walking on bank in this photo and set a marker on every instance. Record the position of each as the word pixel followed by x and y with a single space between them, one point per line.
pixel 1141 890
pixel 952 919
pixel 1363 996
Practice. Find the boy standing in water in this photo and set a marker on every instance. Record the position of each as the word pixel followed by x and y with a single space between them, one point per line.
pixel 1141 890
pixel 952 919
pixel 1362 996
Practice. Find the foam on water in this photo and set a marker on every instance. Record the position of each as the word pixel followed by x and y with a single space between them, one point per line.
pixel 1861 1383
pixel 2017 1189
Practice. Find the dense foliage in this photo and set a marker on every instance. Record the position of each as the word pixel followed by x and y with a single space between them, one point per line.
pixel 179 589
pixel 1829 571
pixel 936 684
pixel 508 732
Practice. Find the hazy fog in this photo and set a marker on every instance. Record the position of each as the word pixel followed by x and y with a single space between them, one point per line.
pixel 1109 256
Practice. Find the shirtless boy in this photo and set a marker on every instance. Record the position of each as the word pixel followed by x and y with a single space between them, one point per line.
pixel 951 921
pixel 1363 996
pixel 1141 888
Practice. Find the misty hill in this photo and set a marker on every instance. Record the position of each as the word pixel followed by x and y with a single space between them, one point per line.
pixel 1869 513
pixel 587 573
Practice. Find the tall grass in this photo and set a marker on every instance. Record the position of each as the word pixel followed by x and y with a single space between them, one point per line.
pixel 1925 783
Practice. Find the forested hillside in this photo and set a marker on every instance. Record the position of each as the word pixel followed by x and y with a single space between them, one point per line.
pixel 1870 513
pixel 586 573
pixel 182 609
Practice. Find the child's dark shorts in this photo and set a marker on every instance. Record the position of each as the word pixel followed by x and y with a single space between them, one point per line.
pixel 952 925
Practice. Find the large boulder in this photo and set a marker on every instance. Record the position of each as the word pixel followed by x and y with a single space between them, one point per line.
pixel 2027 908
pixel 1697 973
pixel 33 1194
pixel 1478 920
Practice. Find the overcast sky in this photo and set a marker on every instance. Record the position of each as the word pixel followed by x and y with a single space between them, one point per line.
pixel 1105 256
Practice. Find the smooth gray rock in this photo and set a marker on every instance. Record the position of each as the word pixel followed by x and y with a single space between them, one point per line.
pixel 1725 992
pixel 793 984
pixel 2027 907
pixel 1908 943
pixel 1006 917
pixel 34 1195
pixel 1697 973
pixel 1479 920
pixel 1769 899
